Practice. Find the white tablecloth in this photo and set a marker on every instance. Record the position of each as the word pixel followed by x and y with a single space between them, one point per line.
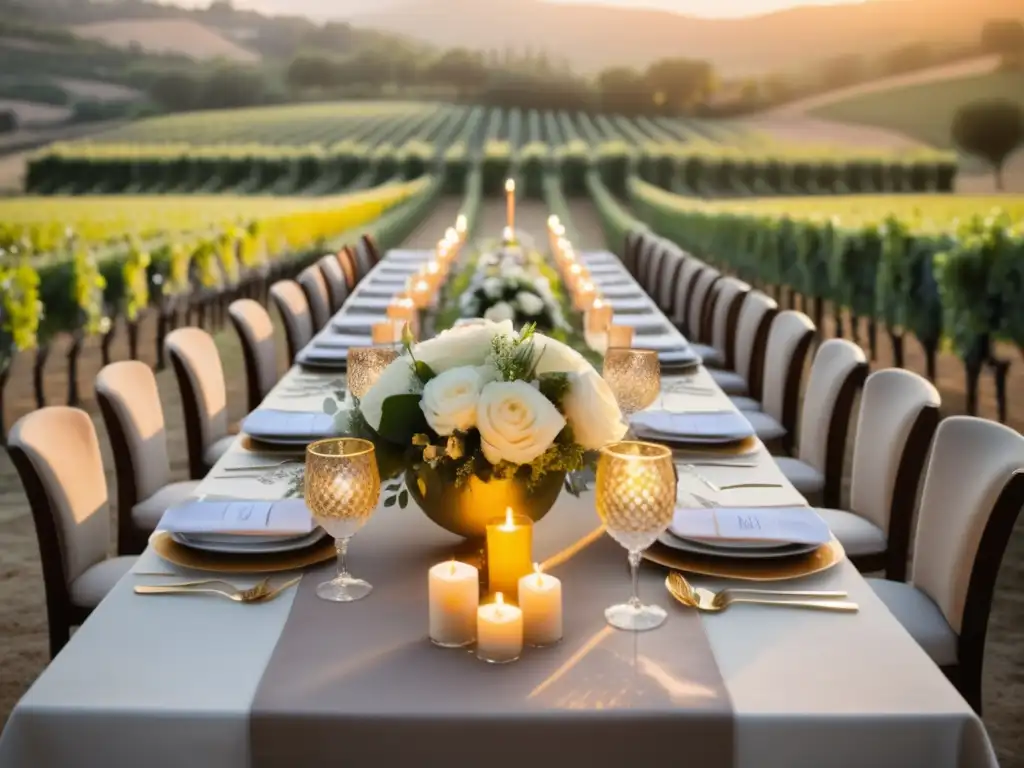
pixel 168 682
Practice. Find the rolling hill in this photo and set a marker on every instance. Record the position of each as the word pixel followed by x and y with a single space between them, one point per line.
pixel 595 36
pixel 179 36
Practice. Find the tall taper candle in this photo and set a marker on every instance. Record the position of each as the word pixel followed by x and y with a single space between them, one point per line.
pixel 510 202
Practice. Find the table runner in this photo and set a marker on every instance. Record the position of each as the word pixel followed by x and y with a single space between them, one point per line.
pixel 601 695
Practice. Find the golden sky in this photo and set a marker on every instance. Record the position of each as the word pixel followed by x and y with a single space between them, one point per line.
pixel 715 8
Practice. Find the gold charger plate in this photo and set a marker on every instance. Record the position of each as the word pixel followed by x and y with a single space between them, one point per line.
pixel 252 445
pixel 780 569
pixel 273 562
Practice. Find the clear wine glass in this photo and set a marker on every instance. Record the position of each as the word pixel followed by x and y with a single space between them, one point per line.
pixel 634 376
pixel 342 492
pixel 636 497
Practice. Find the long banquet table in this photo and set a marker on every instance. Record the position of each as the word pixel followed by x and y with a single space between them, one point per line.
pixel 177 681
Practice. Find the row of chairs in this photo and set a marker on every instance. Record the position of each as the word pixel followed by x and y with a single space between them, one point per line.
pixel 941 494
pixel 56 450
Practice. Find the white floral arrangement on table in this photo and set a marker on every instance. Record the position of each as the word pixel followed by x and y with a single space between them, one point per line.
pixel 508 285
pixel 483 399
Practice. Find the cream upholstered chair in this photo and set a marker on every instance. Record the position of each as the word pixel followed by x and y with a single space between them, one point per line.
pixel 337 290
pixel 899 412
pixel 347 261
pixel 290 300
pixel 645 252
pixel 649 280
pixel 130 403
pixel 57 455
pixel 315 287
pixel 204 397
pixel 369 244
pixel 752 328
pixel 683 290
pixel 698 314
pixel 837 375
pixel 973 494
pixel 725 312
pixel 255 331
pixel 364 260
pixel 785 357
pixel 663 290
pixel 635 239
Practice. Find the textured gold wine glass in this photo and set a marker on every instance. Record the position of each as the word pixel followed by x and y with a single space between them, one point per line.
pixel 634 376
pixel 636 498
pixel 365 365
pixel 342 491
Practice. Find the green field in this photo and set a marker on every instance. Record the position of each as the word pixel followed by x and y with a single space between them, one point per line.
pixel 925 111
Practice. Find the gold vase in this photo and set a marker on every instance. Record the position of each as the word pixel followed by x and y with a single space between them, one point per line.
pixel 466 509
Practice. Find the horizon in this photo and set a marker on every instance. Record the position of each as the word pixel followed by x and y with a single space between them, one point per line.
pixel 708 9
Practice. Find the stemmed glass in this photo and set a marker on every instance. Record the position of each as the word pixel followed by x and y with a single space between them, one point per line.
pixel 365 365
pixel 342 491
pixel 636 498
pixel 634 376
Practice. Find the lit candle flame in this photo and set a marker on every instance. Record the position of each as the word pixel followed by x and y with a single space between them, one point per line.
pixel 499 600
pixel 460 223
pixel 509 524
pixel 552 221
pixel 540 574
pixel 453 566
pixel 510 185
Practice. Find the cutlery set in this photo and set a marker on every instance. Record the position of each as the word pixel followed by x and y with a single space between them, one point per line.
pixel 707 601
pixel 260 593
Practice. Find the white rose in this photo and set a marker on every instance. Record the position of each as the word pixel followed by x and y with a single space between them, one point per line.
pixel 516 422
pixel 502 311
pixel 592 411
pixel 530 303
pixel 449 400
pixel 396 379
pixel 556 357
pixel 466 344
pixel 492 287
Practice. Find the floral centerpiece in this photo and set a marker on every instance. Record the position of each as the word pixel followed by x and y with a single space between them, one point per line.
pixel 485 417
pixel 509 285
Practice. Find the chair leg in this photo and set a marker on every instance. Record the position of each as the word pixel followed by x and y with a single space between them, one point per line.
pixel 60 633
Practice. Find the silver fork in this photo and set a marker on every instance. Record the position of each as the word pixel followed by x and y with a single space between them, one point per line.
pixel 733 487
pixel 262 467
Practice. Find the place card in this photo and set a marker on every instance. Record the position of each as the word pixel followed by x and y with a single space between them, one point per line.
pixel 244 518
pixel 791 525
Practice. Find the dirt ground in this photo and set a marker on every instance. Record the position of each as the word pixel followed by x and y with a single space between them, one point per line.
pixel 23 651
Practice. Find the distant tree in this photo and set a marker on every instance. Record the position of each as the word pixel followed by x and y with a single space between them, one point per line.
pixel 908 58
pixel 991 130
pixel 231 86
pixel 311 70
pixel 625 91
pixel 177 91
pixel 464 70
pixel 683 83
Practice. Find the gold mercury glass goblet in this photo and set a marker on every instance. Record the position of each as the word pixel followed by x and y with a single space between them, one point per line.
pixel 365 365
pixel 636 498
pixel 634 376
pixel 342 491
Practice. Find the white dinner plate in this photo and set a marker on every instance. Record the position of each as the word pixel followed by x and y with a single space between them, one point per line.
pixel 243 547
pixel 697 547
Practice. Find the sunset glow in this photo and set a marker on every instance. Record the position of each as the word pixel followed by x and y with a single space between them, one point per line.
pixel 713 8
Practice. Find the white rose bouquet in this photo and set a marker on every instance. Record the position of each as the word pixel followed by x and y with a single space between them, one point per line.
pixel 516 297
pixel 484 400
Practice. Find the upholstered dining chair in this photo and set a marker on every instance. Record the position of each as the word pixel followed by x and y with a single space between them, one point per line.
pixel 364 262
pixel 129 401
pixel 752 328
pixel 204 397
pixel 698 314
pixel 683 291
pixel 899 412
pixel 726 303
pixel 837 375
pixel 652 269
pixel 663 289
pixel 973 493
pixel 347 261
pixel 648 247
pixel 57 455
pixel 785 357
pixel 255 332
pixel 631 247
pixel 337 290
pixel 315 287
pixel 290 300
pixel 369 243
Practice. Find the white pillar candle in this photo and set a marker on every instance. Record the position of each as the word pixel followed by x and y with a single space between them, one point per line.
pixel 499 631
pixel 540 600
pixel 454 596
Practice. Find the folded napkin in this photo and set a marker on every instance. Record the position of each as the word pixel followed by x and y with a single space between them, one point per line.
pixel 326 357
pixel 239 517
pixel 600 257
pixel 355 325
pixel 641 303
pixel 663 343
pixel 406 256
pixel 297 425
pixel 380 291
pixel 621 291
pixel 707 426
pixel 368 302
pixel 342 341
pixel 642 324
pixel 397 282
pixel 607 269
pixel 788 525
